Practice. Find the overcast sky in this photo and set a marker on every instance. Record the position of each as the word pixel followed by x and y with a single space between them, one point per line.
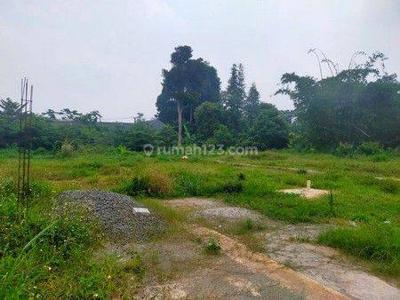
pixel 108 55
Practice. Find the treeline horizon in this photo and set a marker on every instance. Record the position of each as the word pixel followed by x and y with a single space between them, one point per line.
pixel 348 108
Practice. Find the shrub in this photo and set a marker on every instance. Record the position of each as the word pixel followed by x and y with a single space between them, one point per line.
pixel 369 148
pixel 188 184
pixel 213 247
pixel 302 171
pixel 66 150
pixel 138 185
pixel 7 187
pixel 160 184
pixel 232 187
pixel 248 225
pixel 40 189
pixel 122 150
pixel 344 150
pixel 381 157
pixel 135 265
pixel 389 186
pixel 241 177
pixel 154 183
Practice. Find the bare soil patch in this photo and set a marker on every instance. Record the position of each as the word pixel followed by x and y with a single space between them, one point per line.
pixel 288 245
pixel 290 257
pixel 308 193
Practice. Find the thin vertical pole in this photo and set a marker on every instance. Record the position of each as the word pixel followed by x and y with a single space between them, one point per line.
pixel 25 141
pixel 29 138
pixel 20 184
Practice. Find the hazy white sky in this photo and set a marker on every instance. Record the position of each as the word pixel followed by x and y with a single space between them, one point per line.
pixel 108 55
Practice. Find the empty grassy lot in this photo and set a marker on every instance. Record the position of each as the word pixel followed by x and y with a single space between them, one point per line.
pixel 366 209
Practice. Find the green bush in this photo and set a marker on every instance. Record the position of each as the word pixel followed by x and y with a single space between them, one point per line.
pixel 344 150
pixel 247 226
pixel 188 184
pixel 369 148
pixel 213 247
pixel 154 183
pixel 389 186
pixel 40 189
pixel 381 157
pixel 232 187
pixel 66 150
pixel 7 187
pixel 139 185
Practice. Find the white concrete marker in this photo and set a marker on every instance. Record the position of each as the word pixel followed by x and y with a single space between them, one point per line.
pixel 308 184
pixel 141 210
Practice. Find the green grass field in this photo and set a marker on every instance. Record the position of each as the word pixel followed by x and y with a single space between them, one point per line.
pixel 366 209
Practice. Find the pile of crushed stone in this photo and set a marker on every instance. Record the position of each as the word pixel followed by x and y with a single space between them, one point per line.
pixel 121 218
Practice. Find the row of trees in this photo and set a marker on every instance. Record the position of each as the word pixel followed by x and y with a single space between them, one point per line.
pixel 51 129
pixel 191 100
pixel 349 107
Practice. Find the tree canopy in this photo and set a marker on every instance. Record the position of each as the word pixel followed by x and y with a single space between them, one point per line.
pixel 357 105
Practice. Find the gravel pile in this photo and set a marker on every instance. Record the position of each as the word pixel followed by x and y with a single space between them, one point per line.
pixel 116 213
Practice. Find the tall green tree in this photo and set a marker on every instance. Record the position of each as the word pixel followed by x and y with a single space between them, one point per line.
pixel 8 122
pixel 8 108
pixel 233 98
pixel 208 117
pixel 185 86
pixel 252 103
pixel 270 128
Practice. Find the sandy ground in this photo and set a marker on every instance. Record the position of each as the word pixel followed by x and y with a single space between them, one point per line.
pixel 306 270
pixel 308 193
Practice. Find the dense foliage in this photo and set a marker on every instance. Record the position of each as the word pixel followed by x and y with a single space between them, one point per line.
pixel 191 101
pixel 191 109
pixel 355 108
pixel 357 105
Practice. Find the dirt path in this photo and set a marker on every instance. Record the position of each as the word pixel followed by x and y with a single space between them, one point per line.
pixel 260 263
pixel 324 264
pixel 315 272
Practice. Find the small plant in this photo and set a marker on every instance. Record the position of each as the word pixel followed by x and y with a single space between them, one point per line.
pixel 247 226
pixel 138 185
pixel 160 184
pixel 302 171
pixel 213 247
pixel 135 265
pixel 232 187
pixel 40 189
pixel 369 148
pixel 381 157
pixel 331 203
pixel 389 186
pixel 66 150
pixel 360 218
pixel 155 184
pixel 189 184
pixel 344 150
pixel 241 177
pixel 122 150
pixel 7 187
